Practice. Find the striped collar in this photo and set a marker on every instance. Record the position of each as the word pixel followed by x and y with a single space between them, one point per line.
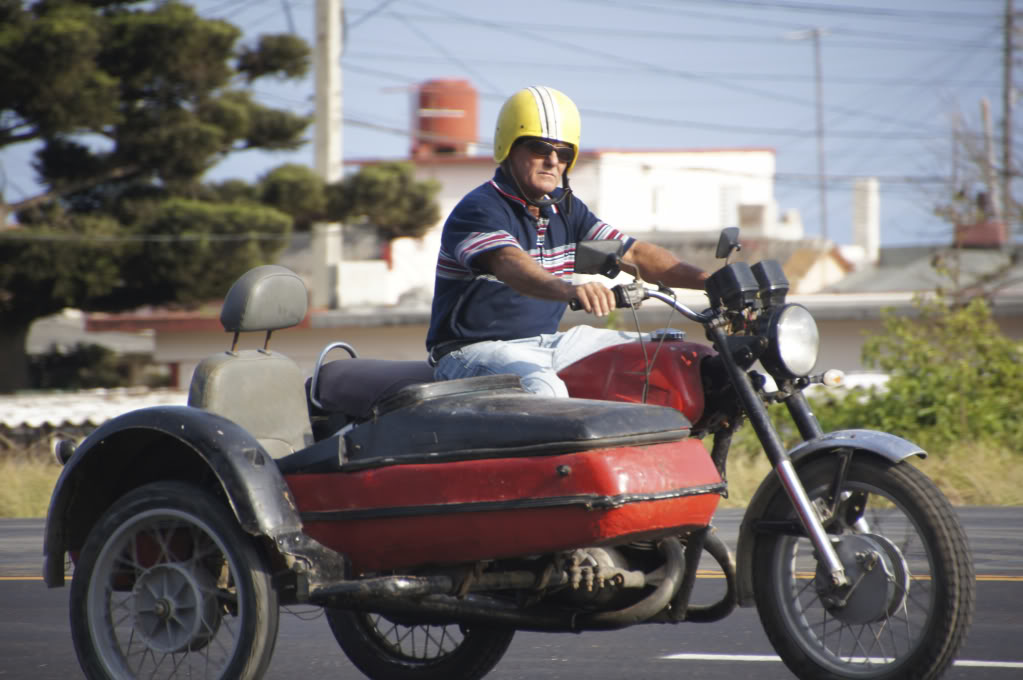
pixel 504 186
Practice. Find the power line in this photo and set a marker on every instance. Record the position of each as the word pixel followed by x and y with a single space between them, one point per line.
pixel 908 41
pixel 851 10
pixel 600 71
pixel 707 78
pixel 658 68
pixel 702 125
pixel 428 39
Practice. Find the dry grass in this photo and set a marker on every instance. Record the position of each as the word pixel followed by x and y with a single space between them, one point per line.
pixel 976 475
pixel 968 475
pixel 744 476
pixel 30 482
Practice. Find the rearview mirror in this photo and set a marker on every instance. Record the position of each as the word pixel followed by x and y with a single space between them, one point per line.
pixel 727 242
pixel 598 257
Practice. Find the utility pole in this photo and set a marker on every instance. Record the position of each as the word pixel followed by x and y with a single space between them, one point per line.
pixel 822 174
pixel 995 205
pixel 1007 103
pixel 327 158
pixel 327 56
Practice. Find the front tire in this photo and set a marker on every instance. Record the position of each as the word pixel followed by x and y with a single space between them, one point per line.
pixel 384 649
pixel 901 540
pixel 168 586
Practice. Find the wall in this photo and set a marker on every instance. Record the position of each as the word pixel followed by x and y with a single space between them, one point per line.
pixel 303 345
pixel 695 191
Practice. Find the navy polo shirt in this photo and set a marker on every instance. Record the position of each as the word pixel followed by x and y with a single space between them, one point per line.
pixel 471 304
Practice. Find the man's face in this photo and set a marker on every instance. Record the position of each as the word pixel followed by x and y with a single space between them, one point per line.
pixel 537 172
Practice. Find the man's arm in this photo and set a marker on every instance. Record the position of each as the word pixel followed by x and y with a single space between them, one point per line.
pixel 657 265
pixel 515 268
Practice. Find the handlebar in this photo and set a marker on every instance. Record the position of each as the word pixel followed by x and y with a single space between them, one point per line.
pixel 632 294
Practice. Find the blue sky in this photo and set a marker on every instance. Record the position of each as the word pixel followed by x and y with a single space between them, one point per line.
pixel 675 74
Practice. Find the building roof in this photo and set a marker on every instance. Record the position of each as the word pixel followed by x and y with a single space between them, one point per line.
pixel 918 269
pixel 797 256
pixel 81 408
pixel 69 328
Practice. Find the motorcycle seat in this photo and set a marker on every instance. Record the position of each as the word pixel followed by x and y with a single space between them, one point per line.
pixel 352 387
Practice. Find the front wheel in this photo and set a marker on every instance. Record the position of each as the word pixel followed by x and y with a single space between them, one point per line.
pixel 911 603
pixel 389 649
pixel 168 586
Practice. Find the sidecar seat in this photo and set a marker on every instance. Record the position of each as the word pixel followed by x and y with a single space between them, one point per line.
pixel 261 390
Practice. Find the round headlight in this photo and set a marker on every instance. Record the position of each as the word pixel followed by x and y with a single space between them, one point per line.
pixel 794 341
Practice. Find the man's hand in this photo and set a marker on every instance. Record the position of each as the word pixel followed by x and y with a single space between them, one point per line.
pixel 595 298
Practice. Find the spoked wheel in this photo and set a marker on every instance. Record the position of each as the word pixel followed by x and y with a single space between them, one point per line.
pixel 903 549
pixel 168 586
pixel 386 649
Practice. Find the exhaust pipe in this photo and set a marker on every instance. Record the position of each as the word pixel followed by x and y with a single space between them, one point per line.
pixel 429 596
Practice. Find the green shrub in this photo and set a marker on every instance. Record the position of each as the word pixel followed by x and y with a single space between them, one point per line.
pixel 954 382
pixel 953 377
pixel 84 366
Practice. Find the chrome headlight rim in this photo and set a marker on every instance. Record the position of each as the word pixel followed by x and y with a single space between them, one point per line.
pixel 793 342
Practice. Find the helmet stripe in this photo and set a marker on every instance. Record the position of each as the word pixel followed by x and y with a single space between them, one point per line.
pixel 547 111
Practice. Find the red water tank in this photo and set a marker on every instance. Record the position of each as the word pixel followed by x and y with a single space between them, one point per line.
pixel 444 118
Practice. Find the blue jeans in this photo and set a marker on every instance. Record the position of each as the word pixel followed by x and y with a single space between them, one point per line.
pixel 535 360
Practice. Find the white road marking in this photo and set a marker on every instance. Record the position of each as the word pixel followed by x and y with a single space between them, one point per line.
pixel 766 657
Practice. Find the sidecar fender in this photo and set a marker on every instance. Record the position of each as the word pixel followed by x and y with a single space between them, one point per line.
pixel 887 446
pixel 165 442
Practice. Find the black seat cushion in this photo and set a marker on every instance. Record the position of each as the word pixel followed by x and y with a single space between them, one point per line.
pixel 354 386
pixel 426 424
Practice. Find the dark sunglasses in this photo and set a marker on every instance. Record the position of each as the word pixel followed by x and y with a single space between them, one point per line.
pixel 541 148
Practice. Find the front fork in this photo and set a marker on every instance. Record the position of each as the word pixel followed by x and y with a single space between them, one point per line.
pixel 756 411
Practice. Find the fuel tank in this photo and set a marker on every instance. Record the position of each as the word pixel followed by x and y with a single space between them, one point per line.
pixel 618 373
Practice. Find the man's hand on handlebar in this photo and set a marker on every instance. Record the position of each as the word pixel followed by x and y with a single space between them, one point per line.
pixel 594 297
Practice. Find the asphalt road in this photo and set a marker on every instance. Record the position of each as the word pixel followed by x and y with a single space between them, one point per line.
pixel 35 640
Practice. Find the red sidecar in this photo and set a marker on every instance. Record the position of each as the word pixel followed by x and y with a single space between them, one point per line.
pixel 477 469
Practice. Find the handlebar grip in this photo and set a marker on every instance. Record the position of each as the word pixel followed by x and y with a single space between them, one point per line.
pixel 625 296
pixel 621 297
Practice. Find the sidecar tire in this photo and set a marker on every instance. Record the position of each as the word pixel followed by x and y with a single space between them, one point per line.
pixel 913 632
pixel 360 637
pixel 158 577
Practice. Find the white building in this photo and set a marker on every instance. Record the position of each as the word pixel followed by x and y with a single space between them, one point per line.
pixel 668 192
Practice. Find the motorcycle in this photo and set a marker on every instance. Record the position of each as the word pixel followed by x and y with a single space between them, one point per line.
pixel 433 520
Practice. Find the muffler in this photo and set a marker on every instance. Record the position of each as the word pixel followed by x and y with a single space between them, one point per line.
pixel 430 597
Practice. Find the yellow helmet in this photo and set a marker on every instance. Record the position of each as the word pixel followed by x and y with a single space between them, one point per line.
pixel 537 112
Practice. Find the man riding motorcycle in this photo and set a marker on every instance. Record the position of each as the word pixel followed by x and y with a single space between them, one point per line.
pixel 504 271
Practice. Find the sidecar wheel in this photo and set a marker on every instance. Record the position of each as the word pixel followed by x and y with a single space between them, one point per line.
pixel 901 542
pixel 387 650
pixel 168 586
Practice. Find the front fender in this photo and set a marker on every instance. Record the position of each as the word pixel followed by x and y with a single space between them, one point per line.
pixel 883 444
pixel 164 442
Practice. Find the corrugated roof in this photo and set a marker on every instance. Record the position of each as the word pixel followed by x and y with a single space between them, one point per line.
pixel 80 408
pixel 797 256
pixel 930 269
